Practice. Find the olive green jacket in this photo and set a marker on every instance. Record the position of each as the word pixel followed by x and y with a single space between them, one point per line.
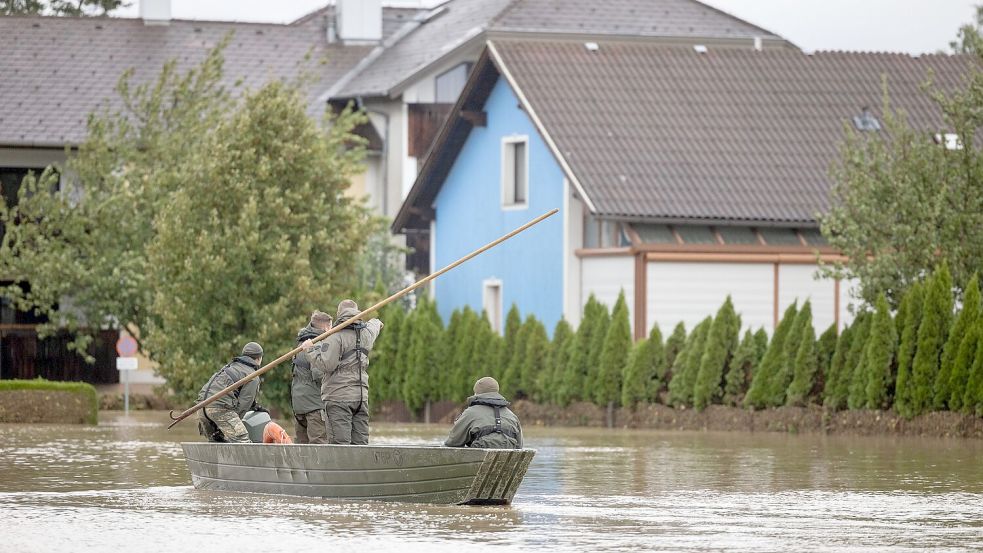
pixel 305 390
pixel 241 400
pixel 480 414
pixel 343 372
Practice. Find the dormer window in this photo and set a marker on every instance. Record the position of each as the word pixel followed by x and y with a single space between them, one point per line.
pixel 866 121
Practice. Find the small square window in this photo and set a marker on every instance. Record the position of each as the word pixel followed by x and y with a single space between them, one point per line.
pixel 515 171
pixel 492 303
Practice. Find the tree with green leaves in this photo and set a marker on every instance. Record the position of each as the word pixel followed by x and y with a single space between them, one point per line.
pixel 757 395
pixel 805 363
pixel 198 219
pixel 594 352
pixel 460 368
pixel 67 8
pixel 972 401
pixel 383 356
pixel 825 348
pixel 912 306
pixel 801 330
pixel 674 344
pixel 514 350
pixel 486 353
pixel 857 380
pixel 837 387
pixel 687 365
pixel 949 383
pixel 420 387
pixel 932 334
pixel 635 386
pixel 560 351
pixel 963 365
pixel 878 360
pixel 535 360
pixel 614 358
pixel 739 370
pixel 448 369
pixel 720 345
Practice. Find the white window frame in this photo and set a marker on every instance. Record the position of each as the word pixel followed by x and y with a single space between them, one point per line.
pixel 495 313
pixel 506 181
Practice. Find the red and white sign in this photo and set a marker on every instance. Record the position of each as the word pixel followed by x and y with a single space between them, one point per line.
pixel 126 346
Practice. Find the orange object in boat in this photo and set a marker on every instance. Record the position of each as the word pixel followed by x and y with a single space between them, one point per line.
pixel 275 434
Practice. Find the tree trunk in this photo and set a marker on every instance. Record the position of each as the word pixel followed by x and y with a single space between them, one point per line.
pixel 610 414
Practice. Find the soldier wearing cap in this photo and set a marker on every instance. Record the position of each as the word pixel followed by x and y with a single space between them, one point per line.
pixel 221 421
pixel 305 390
pixel 487 422
pixel 341 363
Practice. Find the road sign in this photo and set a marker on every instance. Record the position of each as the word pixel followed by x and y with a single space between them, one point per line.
pixel 126 363
pixel 126 346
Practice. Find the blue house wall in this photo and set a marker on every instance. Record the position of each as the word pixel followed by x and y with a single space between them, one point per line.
pixel 469 213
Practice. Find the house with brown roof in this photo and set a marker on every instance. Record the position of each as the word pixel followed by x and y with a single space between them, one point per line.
pixel 404 66
pixel 682 174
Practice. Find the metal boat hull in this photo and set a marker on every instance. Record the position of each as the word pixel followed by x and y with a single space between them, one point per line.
pixel 385 473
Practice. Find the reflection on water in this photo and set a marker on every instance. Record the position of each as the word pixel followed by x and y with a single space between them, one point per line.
pixel 125 483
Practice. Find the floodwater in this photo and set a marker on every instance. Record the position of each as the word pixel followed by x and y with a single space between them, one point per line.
pixel 124 486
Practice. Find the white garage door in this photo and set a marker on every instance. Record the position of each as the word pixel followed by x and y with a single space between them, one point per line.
pixel 797 282
pixel 688 292
pixel 606 277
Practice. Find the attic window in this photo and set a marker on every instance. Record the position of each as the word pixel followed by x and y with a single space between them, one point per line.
pixel 950 140
pixel 592 46
pixel 515 172
pixel 866 121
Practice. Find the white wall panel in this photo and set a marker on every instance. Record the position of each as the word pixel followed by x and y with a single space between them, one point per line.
pixel 798 282
pixel 688 292
pixel 606 277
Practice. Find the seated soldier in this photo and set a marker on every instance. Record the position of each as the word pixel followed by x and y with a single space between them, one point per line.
pixel 487 422
pixel 221 421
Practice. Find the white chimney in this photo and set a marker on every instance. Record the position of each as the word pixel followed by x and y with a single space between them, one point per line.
pixel 359 21
pixel 155 12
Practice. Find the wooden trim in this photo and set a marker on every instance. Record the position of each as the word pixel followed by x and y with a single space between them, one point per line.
pixel 476 118
pixel 737 257
pixel 802 239
pixel 641 294
pixel 717 236
pixel 18 326
pixel 836 305
pixel 676 235
pixel 741 249
pixel 601 252
pixel 636 240
pixel 761 239
pixel 774 300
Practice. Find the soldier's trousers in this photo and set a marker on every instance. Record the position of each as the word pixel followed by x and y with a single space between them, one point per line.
pixel 227 422
pixel 349 422
pixel 311 428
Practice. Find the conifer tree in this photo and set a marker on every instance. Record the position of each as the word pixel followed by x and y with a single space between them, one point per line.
pixel 486 353
pixel 912 305
pixel 932 333
pixel 688 365
pixel 447 370
pixel 825 347
pixel 655 364
pixel 972 401
pixel 512 354
pixel 777 386
pixel 805 364
pixel 512 378
pixel 963 365
pixel 837 381
pixel 739 370
pixel 878 361
pixel 575 375
pixel 857 382
pixel 594 353
pixel 634 389
pixel 462 348
pixel 720 345
pixel 757 395
pixel 614 357
pixel 674 343
pixel 948 381
pixel 559 357
pixel 535 361
pixel 384 370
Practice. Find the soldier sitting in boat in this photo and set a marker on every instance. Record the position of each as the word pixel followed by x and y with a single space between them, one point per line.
pixel 305 390
pixel 487 422
pixel 221 421
pixel 341 361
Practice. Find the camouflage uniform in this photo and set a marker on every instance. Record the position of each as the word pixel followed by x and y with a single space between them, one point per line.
pixel 305 396
pixel 221 421
pixel 477 426
pixel 341 362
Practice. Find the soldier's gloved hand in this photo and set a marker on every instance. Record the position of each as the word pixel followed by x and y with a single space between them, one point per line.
pixel 260 409
pixel 307 345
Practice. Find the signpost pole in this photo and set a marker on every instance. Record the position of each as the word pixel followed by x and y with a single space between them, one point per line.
pixel 126 348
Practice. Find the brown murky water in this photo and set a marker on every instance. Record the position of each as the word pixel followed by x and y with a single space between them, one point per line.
pixel 124 486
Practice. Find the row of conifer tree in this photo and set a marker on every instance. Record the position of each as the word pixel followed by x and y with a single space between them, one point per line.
pixel 923 358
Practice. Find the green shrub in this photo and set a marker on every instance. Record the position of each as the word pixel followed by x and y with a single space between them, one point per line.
pixel 857 381
pixel 777 386
pixel 973 397
pixel 805 362
pixel 688 365
pixel 837 387
pixel 634 389
pixel 535 360
pixel 739 370
pixel 674 344
pixel 575 373
pixel 559 357
pixel 757 395
pixel 87 391
pixel 932 334
pixel 614 355
pixel 825 348
pixel 878 360
pixel 963 366
pixel 950 384
pixel 720 345
pixel 912 305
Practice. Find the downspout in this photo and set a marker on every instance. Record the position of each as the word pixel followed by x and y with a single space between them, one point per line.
pixel 385 153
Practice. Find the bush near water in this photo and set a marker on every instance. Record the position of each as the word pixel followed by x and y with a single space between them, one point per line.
pixel 923 358
pixel 43 401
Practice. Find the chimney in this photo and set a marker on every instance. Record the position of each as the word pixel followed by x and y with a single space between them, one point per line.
pixel 359 21
pixel 155 12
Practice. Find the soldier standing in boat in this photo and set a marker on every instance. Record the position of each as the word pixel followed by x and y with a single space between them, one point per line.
pixel 487 422
pixel 305 391
pixel 341 362
pixel 221 421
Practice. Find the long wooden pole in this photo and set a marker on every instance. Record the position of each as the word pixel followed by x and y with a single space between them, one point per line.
pixel 185 414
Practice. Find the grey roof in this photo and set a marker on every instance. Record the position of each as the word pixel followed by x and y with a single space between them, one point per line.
pixel 657 133
pixel 459 22
pixel 671 18
pixel 56 70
